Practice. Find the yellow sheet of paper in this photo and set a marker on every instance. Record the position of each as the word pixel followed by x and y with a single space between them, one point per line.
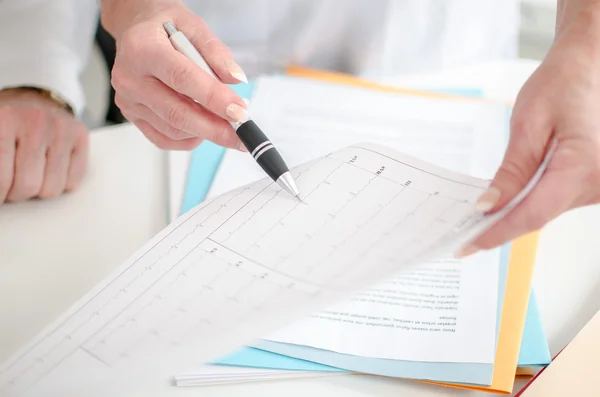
pixel 520 268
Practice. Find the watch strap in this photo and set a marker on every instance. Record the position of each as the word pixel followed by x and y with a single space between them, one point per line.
pixel 52 95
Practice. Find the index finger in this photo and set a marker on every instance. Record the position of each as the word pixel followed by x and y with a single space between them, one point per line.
pixel 185 77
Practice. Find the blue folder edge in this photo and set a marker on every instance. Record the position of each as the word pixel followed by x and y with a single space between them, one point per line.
pixel 204 163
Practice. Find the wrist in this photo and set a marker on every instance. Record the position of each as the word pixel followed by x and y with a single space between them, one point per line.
pixel 117 15
pixel 582 16
pixel 578 30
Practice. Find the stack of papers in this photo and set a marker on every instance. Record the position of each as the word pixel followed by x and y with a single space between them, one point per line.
pixel 210 375
pixel 374 227
pixel 480 333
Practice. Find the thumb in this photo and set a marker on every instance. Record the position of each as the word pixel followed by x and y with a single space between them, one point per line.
pixel 557 191
pixel 525 152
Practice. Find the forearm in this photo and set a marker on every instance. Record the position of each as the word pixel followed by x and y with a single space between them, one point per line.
pixel 578 32
pixel 118 15
pixel 46 43
pixel 580 15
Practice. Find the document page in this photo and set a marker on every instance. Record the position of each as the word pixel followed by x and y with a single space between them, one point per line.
pixel 443 311
pixel 246 263
pixel 306 119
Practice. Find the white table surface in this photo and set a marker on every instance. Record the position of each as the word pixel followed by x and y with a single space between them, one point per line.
pixel 52 252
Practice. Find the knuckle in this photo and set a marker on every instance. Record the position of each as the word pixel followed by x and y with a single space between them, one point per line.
pixel 37 115
pixel 189 144
pixel 73 183
pixel 594 170
pixel 7 112
pixel 177 117
pixel 512 172
pixel 61 133
pixel 35 133
pixel 82 137
pixel 129 114
pixel 5 133
pixel 118 80
pixel 210 94
pixel 163 144
pixel 198 30
pixel 222 134
pixel 49 192
pixel 119 101
pixel 213 44
pixel 29 187
pixel 180 77
pixel 158 139
pixel 594 174
pixel 177 135
pixel 132 43
pixel 4 187
pixel 519 125
pixel 525 122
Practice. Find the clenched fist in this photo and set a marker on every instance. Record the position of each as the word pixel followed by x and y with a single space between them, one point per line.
pixel 43 148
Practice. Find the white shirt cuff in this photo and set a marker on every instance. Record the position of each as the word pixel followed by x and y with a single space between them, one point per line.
pixel 60 77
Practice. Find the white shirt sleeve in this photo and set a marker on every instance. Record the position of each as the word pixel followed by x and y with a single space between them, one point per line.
pixel 46 43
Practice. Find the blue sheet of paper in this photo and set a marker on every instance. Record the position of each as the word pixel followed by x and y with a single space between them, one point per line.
pixel 204 163
pixel 534 351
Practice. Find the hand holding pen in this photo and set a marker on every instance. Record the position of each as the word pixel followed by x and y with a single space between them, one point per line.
pixel 175 103
pixel 175 98
pixel 251 136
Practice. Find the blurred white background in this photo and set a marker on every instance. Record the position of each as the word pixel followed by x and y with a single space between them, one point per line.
pixel 538 19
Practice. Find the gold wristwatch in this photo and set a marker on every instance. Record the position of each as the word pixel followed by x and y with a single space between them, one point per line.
pixel 53 96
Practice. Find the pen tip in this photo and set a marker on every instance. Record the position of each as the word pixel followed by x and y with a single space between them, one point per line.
pixel 287 183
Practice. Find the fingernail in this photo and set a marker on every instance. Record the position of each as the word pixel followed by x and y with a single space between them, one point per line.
pixel 246 101
pixel 488 200
pixel 237 113
pixel 466 251
pixel 236 71
pixel 241 147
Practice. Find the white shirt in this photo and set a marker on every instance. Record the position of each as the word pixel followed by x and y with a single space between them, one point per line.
pixel 47 42
pixel 364 37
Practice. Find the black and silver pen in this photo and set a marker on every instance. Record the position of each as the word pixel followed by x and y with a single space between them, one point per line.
pixel 257 143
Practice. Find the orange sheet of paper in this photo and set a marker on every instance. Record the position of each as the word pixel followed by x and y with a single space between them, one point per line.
pixel 520 268
pixel 514 311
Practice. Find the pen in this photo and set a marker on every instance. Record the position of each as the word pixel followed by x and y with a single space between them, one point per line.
pixel 257 143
